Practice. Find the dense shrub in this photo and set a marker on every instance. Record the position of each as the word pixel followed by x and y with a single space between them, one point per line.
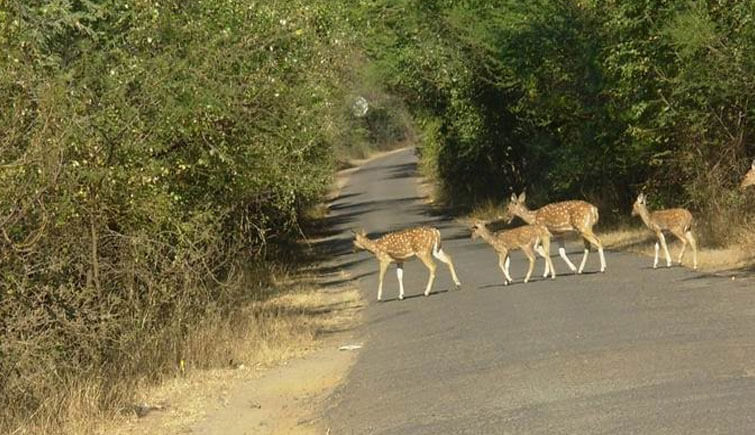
pixel 594 99
pixel 153 157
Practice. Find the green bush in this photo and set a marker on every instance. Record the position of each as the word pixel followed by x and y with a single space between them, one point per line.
pixel 154 158
pixel 594 99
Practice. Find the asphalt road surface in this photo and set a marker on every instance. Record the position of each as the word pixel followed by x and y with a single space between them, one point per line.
pixel 633 350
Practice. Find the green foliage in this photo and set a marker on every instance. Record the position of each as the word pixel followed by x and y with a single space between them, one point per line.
pixel 151 153
pixel 595 99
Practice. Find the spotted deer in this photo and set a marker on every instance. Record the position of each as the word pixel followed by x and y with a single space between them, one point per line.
pixel 749 178
pixel 526 238
pixel 678 221
pixel 399 246
pixel 561 218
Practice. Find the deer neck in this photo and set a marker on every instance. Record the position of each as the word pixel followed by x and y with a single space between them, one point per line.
pixel 645 216
pixel 527 215
pixel 486 235
pixel 370 245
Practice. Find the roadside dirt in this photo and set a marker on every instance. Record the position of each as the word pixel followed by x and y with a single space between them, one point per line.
pixel 286 398
pixel 260 399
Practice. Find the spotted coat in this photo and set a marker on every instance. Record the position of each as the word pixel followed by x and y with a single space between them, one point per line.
pixel 396 247
pixel 558 217
pixel 678 221
pixel 526 238
pixel 561 218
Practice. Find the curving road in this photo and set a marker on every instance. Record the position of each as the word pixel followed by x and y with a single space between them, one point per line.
pixel 631 350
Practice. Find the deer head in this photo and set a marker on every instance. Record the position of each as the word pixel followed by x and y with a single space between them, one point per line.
pixel 478 228
pixel 639 204
pixel 749 178
pixel 516 207
pixel 360 240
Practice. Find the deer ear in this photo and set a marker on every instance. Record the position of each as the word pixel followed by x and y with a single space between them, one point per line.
pixel 522 196
pixel 753 164
pixel 513 197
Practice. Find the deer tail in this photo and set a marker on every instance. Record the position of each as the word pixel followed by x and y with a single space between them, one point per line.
pixel 437 245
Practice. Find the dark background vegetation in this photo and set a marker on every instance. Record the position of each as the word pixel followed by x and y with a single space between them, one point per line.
pixel 157 158
pixel 578 99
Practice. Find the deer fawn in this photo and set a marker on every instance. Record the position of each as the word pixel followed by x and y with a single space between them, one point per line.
pixel 749 178
pixel 399 246
pixel 561 218
pixel 526 238
pixel 676 220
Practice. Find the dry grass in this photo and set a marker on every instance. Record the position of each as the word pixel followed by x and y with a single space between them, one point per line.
pixel 286 326
pixel 289 323
pixel 739 254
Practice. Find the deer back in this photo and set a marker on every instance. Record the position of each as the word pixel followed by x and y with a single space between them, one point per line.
pixel 568 216
pixel 672 219
pixel 406 243
pixel 520 236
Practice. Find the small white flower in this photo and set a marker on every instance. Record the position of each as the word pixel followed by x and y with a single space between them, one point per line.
pixel 149 40
pixel 283 22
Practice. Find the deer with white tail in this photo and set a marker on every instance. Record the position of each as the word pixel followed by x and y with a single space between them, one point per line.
pixel 561 218
pixel 678 221
pixel 526 238
pixel 399 246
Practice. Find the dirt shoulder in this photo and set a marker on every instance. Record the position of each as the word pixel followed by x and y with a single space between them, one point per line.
pixel 277 394
pixel 282 394
pixel 287 399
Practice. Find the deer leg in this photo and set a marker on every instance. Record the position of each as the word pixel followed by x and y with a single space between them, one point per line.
pixel 503 263
pixel 442 256
pixel 562 253
pixel 655 260
pixel 400 276
pixel 539 249
pixel 545 254
pixel 665 248
pixel 545 251
pixel 381 274
pixel 584 257
pixel 591 238
pixel 680 235
pixel 693 244
pixel 428 261
pixel 531 257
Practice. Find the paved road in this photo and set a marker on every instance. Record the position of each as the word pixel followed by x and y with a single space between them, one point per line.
pixel 632 350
